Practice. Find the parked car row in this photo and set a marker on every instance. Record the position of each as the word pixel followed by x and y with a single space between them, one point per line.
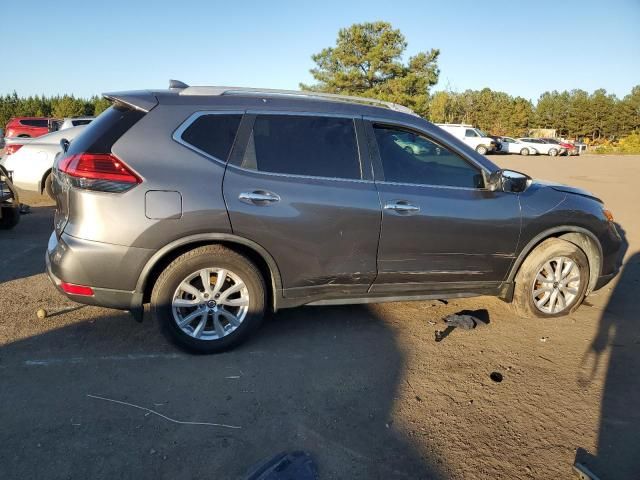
pixel 484 143
pixel 31 127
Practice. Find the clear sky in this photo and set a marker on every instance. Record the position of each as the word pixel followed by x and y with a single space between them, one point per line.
pixel 523 48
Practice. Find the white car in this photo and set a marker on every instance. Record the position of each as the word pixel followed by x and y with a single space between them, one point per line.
pixel 474 137
pixel 31 159
pixel 511 145
pixel 544 148
pixel 66 123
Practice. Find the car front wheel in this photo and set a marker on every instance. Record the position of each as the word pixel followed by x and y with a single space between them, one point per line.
pixel 209 299
pixel 524 151
pixel 552 280
pixel 553 152
pixel 481 149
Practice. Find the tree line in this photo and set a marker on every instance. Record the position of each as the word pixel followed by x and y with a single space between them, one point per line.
pixel 59 106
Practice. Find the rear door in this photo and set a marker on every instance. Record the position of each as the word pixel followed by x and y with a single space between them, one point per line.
pixel 297 185
pixel 441 229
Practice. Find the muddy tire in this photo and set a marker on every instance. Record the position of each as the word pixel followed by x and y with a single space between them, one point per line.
pixel 209 299
pixel 552 280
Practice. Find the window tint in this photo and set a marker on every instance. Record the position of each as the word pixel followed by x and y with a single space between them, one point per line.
pixel 213 134
pixel 303 145
pixel 470 133
pixel 410 158
pixel 35 123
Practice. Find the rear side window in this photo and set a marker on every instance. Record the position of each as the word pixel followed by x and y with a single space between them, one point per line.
pixel 303 145
pixel 35 123
pixel 470 133
pixel 213 134
pixel 75 123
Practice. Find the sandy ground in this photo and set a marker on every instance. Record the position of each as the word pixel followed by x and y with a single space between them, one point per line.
pixel 365 389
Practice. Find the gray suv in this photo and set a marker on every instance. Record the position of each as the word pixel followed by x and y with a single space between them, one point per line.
pixel 218 204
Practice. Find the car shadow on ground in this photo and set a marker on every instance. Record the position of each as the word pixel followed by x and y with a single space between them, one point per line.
pixel 617 453
pixel 324 380
pixel 22 248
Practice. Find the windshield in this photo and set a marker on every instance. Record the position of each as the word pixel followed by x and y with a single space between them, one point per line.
pixel 481 133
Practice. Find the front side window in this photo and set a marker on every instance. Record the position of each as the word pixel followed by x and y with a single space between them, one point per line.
pixel 470 133
pixel 213 134
pixel 411 158
pixel 303 145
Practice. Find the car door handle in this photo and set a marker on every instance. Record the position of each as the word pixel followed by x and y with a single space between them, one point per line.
pixel 401 206
pixel 258 197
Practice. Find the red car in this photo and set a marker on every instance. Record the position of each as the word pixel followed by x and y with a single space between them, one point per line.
pixel 569 147
pixel 28 126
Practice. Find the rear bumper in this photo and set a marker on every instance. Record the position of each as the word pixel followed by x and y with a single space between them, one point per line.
pixel 74 261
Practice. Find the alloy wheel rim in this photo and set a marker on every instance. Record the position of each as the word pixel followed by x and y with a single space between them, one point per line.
pixel 210 303
pixel 556 285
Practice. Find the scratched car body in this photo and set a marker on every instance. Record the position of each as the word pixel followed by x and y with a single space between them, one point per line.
pixel 217 204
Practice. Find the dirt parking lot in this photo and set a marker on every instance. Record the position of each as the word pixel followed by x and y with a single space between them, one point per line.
pixel 365 389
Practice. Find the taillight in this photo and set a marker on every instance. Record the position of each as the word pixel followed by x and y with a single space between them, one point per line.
pixel 13 148
pixel 101 172
pixel 74 289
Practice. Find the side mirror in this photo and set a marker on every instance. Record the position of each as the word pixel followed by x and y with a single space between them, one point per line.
pixel 508 181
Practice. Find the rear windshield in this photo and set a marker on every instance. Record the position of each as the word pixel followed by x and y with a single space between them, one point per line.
pixel 100 135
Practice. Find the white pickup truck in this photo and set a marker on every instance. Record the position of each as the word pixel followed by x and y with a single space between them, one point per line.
pixel 474 137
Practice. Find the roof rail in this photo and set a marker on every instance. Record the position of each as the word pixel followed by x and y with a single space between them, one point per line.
pixel 297 93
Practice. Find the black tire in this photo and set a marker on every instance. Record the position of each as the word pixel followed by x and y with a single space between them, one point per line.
pixel 10 217
pixel 524 152
pixel 48 188
pixel 553 152
pixel 523 299
pixel 210 256
pixel 481 149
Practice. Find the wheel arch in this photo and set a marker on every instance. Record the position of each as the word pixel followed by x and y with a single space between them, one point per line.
pixel 579 236
pixel 43 180
pixel 253 251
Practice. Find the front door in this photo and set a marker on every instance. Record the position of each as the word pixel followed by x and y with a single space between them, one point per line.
pixel 441 229
pixel 297 189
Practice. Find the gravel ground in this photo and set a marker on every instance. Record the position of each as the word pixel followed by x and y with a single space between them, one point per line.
pixel 365 389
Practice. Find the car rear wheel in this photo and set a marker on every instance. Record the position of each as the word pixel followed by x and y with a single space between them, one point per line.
pixel 552 280
pixel 481 149
pixel 9 217
pixel 209 299
pixel 553 152
pixel 524 151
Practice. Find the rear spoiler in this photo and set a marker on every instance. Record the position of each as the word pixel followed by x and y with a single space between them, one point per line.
pixel 142 100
